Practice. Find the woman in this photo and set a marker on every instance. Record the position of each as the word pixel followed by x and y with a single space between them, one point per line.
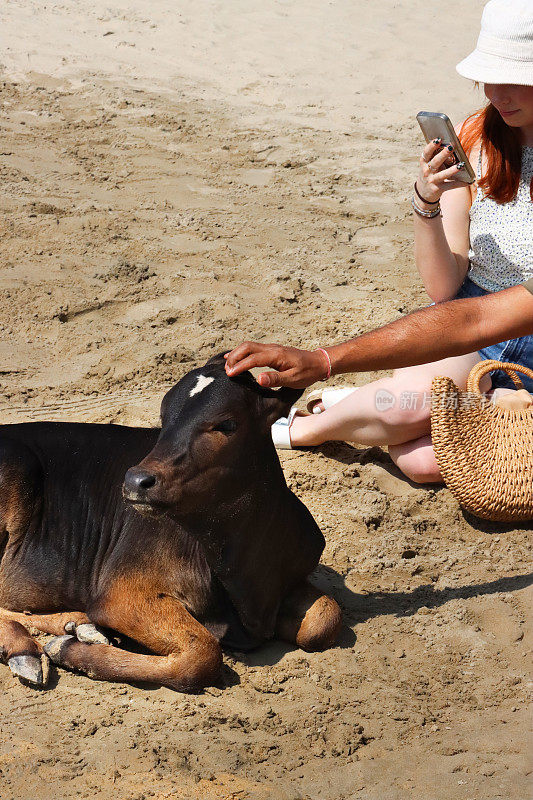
pixel 468 242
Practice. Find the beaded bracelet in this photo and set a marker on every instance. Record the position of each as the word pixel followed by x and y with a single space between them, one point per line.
pixel 421 213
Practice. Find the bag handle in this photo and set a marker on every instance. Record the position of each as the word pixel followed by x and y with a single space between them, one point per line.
pixel 482 367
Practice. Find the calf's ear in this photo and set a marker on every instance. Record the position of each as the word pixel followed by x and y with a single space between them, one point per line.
pixel 216 361
pixel 278 402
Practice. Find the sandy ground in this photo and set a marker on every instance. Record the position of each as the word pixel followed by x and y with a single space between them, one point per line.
pixel 175 181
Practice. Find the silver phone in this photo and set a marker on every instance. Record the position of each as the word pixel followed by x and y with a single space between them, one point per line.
pixel 438 126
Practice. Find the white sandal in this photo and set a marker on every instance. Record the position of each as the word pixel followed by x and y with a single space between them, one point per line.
pixel 281 429
pixel 328 397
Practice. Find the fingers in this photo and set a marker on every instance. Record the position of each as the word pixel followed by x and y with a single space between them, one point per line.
pixel 431 160
pixel 252 354
pixel 270 379
pixel 290 366
pixel 448 174
pixel 288 377
pixel 437 171
pixel 430 150
pixel 440 180
pixel 240 352
pixel 435 154
pixel 249 362
pixel 440 159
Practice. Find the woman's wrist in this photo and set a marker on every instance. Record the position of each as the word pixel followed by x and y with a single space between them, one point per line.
pixel 423 199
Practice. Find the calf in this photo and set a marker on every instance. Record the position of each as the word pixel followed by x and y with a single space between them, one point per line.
pixel 200 546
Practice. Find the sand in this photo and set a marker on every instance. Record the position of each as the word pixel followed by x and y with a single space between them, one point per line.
pixel 179 177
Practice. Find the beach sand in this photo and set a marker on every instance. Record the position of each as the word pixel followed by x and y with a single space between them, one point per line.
pixel 178 177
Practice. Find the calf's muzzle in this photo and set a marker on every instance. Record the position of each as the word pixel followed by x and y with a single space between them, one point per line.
pixel 137 483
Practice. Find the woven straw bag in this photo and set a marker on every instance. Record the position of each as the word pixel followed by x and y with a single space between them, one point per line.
pixel 485 453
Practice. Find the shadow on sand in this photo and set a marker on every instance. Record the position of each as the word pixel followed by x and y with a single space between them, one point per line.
pixel 359 608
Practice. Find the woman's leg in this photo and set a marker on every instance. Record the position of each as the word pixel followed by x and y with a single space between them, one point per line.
pixel 416 459
pixel 390 411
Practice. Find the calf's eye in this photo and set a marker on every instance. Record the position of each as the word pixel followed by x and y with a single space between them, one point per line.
pixel 226 426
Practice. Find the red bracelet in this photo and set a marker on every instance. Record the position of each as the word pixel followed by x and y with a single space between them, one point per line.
pixel 328 373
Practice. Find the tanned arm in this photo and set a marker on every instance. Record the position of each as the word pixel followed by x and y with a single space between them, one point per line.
pixel 440 331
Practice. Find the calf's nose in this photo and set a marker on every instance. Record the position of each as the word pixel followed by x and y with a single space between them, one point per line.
pixel 137 481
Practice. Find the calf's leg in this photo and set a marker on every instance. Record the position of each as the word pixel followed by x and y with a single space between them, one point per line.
pixel 188 656
pixel 24 656
pixel 309 619
pixel 75 622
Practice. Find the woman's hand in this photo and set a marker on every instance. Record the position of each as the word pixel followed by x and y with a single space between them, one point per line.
pixel 292 367
pixel 436 175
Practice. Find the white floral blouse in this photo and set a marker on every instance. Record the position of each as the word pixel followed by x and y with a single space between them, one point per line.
pixel 501 235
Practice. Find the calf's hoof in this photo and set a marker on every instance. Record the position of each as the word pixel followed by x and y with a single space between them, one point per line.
pixel 30 669
pixel 55 648
pixel 86 633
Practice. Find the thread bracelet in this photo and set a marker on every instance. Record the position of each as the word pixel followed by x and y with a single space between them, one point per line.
pixel 429 202
pixel 328 359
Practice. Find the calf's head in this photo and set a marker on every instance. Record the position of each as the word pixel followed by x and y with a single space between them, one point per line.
pixel 215 440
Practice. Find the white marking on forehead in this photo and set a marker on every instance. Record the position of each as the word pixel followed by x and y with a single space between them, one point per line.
pixel 201 383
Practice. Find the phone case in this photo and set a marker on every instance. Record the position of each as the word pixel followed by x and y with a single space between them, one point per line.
pixel 438 126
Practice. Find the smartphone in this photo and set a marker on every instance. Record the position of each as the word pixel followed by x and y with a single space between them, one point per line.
pixel 438 126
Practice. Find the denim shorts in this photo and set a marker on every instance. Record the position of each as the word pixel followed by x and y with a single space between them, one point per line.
pixel 518 351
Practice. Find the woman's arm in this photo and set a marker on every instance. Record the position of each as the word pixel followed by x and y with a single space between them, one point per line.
pixel 440 331
pixel 441 243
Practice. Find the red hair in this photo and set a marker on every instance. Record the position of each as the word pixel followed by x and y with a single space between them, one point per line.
pixel 502 149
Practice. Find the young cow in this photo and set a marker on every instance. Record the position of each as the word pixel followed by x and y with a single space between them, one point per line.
pixel 201 545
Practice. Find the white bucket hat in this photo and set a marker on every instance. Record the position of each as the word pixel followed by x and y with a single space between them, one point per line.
pixel 504 51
